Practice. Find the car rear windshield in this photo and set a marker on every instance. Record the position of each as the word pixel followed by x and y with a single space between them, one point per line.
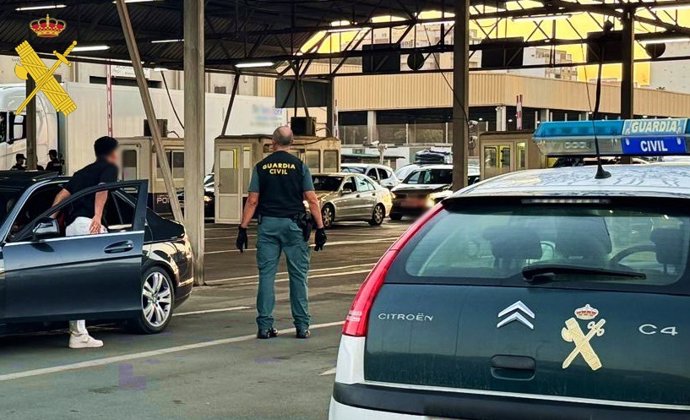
pixel 431 176
pixel 353 169
pixel 574 245
pixel 327 183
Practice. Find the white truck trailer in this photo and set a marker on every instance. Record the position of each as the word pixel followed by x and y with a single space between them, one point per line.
pixel 73 135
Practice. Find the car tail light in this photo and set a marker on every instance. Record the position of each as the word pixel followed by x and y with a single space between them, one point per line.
pixel 357 319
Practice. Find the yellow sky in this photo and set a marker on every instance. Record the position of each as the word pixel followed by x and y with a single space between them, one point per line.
pixel 575 27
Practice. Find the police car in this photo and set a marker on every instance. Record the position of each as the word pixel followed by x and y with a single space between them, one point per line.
pixel 544 294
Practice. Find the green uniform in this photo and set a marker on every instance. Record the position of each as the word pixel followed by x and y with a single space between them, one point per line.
pixel 281 180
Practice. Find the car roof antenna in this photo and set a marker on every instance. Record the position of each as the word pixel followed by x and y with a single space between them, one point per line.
pixel 601 172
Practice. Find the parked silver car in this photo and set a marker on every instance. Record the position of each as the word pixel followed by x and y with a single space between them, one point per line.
pixel 346 196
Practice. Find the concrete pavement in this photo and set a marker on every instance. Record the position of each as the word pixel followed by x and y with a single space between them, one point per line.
pixel 207 364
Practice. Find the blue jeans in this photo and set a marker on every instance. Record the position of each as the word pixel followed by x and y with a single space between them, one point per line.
pixel 277 235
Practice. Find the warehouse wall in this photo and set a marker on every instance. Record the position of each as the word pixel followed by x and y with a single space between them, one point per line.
pixel 430 90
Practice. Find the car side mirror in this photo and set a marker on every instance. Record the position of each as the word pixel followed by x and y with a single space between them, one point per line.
pixel 46 228
pixel 345 191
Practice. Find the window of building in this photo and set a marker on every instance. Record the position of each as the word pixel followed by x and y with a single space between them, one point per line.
pixel 313 160
pixel 330 161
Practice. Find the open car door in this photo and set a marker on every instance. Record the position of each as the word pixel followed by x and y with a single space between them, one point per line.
pixel 49 276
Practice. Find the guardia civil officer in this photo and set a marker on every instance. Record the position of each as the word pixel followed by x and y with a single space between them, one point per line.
pixel 20 164
pixel 55 162
pixel 279 185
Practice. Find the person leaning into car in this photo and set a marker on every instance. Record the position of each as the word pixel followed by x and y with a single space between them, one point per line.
pixel 85 215
pixel 279 186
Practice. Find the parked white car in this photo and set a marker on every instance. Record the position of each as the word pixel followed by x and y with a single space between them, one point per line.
pixel 382 174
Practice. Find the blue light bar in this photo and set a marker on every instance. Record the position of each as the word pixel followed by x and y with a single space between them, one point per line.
pixel 644 137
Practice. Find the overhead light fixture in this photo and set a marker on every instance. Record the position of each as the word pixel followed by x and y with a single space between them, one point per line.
pixel 84 48
pixel 41 7
pixel 665 40
pixel 345 26
pixel 167 41
pixel 670 6
pixel 438 22
pixel 160 69
pixel 254 64
pixel 550 16
pixel 350 29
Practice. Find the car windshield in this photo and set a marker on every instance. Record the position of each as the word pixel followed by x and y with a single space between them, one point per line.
pixel 403 172
pixel 430 176
pixel 563 244
pixel 8 198
pixel 327 182
pixel 353 169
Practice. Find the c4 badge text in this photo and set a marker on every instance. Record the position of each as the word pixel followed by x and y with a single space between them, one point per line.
pixel 572 333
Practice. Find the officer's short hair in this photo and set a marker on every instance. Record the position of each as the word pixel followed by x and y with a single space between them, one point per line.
pixel 283 136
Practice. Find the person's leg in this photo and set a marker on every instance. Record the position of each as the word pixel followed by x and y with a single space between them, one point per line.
pixel 78 327
pixel 297 254
pixel 267 257
pixel 79 335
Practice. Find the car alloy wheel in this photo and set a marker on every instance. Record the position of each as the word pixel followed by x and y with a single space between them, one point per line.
pixel 378 215
pixel 327 214
pixel 156 299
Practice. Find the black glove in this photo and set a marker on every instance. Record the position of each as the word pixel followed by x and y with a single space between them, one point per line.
pixel 320 239
pixel 242 240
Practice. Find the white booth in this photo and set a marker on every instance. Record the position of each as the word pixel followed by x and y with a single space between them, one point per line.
pixel 235 157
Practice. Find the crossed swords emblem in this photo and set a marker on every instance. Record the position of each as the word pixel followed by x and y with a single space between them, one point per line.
pixel 32 65
pixel 572 333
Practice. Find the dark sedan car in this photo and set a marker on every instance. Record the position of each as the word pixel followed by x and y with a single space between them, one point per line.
pixel 137 272
pixel 424 187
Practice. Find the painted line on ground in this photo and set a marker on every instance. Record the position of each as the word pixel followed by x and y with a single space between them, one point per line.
pixel 210 311
pixel 328 372
pixel 285 273
pixel 328 244
pixel 283 280
pixel 143 355
pixel 232 236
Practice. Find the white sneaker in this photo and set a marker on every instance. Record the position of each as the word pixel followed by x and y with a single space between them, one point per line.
pixel 83 341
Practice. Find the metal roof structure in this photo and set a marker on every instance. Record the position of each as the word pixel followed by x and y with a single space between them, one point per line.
pixel 239 31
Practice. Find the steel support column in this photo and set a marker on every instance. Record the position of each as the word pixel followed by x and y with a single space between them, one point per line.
pixel 461 97
pixel 628 69
pixel 628 65
pixel 134 56
pixel 31 158
pixel 331 118
pixel 194 130
pixel 231 104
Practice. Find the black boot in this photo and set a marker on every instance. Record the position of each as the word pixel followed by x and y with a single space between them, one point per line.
pixel 302 333
pixel 266 334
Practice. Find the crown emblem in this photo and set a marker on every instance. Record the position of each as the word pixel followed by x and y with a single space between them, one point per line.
pixel 586 312
pixel 47 27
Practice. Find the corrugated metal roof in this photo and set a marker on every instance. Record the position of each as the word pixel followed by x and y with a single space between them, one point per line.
pixel 238 29
pixel 232 26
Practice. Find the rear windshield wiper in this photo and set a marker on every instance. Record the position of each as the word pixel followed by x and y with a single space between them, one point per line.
pixel 544 273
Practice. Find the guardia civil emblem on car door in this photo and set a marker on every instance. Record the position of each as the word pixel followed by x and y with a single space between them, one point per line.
pixel 573 333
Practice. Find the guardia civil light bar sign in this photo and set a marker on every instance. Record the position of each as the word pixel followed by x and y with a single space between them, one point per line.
pixel 654 137
pixel 654 127
pixel 643 137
